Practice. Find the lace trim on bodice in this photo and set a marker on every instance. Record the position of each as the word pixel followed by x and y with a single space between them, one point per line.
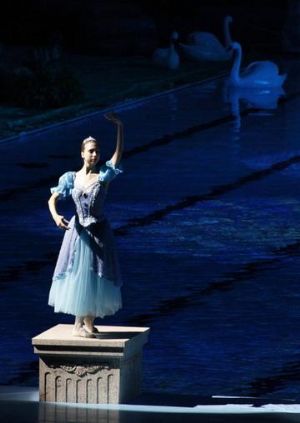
pixel 85 200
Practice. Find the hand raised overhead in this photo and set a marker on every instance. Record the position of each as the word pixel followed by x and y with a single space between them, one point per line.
pixel 113 117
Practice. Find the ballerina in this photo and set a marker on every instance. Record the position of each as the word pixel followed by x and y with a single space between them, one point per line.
pixel 86 281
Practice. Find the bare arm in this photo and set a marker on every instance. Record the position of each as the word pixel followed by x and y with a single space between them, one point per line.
pixel 120 138
pixel 60 221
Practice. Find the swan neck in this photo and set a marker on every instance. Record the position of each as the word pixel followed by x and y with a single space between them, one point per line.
pixel 227 35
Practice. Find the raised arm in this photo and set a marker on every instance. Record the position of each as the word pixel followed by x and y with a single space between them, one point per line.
pixel 60 221
pixel 120 138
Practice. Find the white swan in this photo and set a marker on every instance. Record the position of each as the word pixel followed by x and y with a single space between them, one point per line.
pixel 206 46
pixel 265 98
pixel 257 74
pixel 167 57
pixel 258 98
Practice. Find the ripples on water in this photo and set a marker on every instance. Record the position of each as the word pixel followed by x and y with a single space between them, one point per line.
pixel 206 217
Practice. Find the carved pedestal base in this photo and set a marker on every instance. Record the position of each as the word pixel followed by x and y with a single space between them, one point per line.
pixel 97 371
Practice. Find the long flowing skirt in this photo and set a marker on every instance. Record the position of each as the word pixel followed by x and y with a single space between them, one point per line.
pixel 87 279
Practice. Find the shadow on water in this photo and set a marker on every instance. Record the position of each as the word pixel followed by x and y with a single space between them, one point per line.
pixel 279 97
pixel 217 191
pixel 266 385
pixel 276 378
pixel 12 193
pixel 14 272
pixel 229 280
pixel 257 387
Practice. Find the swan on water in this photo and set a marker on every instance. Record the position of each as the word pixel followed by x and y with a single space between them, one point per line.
pixel 206 46
pixel 167 57
pixel 257 74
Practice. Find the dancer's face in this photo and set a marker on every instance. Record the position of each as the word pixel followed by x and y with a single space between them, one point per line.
pixel 91 154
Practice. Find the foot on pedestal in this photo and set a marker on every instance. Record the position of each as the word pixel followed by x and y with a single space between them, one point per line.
pixel 82 332
pixel 91 329
pixel 89 325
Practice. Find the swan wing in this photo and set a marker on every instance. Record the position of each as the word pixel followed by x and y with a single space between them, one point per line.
pixel 205 40
pixel 266 67
pixel 199 53
pixel 262 74
pixel 262 98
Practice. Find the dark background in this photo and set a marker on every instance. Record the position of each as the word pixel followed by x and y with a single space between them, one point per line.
pixel 220 299
pixel 130 27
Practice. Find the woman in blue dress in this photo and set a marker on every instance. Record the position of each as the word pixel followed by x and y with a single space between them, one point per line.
pixel 87 281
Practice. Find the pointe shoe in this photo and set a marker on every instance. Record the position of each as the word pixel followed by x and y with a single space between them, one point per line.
pixel 82 332
pixel 89 325
pixel 91 330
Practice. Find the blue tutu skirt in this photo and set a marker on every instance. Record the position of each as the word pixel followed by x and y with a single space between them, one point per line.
pixel 80 289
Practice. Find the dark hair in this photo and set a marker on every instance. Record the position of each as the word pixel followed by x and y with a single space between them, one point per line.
pixel 86 141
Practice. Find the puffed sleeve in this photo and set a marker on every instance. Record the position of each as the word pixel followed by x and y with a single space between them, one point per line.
pixel 108 172
pixel 65 185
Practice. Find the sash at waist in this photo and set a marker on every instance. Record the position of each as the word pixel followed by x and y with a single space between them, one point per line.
pixel 88 221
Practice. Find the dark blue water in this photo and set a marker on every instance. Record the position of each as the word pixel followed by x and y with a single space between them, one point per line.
pixel 206 217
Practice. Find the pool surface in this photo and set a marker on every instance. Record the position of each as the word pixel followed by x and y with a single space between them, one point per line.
pixel 206 217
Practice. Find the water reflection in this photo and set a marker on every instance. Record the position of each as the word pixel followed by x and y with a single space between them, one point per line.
pixel 257 98
pixel 57 413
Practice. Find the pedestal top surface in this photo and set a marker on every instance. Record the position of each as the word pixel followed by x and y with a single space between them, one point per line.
pixel 110 336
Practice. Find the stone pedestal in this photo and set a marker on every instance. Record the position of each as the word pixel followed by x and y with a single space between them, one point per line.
pixel 102 370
